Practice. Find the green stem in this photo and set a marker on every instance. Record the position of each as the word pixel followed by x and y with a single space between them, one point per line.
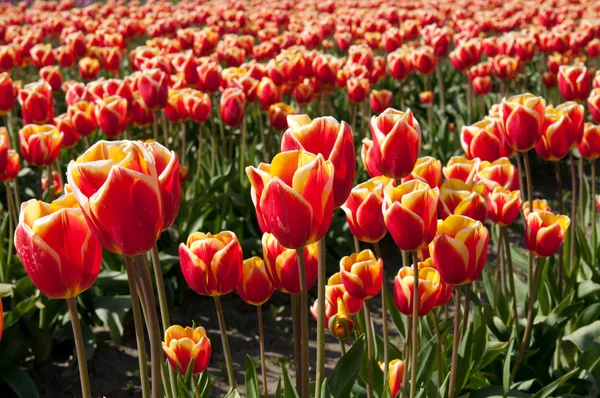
pixel 415 328
pixel 356 245
pixel 225 342
pixel 511 274
pixel 139 327
pixel 320 374
pixel 500 264
pixel 80 348
pixel 560 211
pixel 369 349
pixel 593 210
pixel 439 348
pixel 342 348
pixel 384 319
pixel 303 321
pixel 297 329
pixel 574 204
pixel 455 342
pixel 154 127
pixel 466 311
pixel 263 363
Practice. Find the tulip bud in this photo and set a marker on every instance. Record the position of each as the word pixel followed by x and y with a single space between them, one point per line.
pixel 88 68
pixel 125 221
pixel 57 248
pixel 37 103
pixel 211 264
pixel 574 82
pixel 429 290
pixel 254 286
pixel 64 56
pixel 209 76
pixel 410 213
pixel 545 232
pixel 428 170
pixel 486 140
pixel 267 93
pixel 40 145
pixel 396 142
pixel 154 88
pixel 399 64
pixel 426 97
pixel 503 205
pixel 505 67
pixel 362 274
pixel 459 250
pixel 556 138
pixel 111 113
pixel 380 100
pixel 340 325
pixel 182 346
pixel 282 264
pixel 76 43
pixel 395 376
pixel 278 114
pixel 233 106
pixel 523 117
pixel 7 95
pixel 328 137
pixel 83 117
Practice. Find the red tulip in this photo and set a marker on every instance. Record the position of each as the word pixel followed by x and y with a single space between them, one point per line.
pixel 167 169
pixel 111 113
pixel 154 88
pixel 37 103
pixel 40 145
pixel 254 286
pixel 523 117
pixel 7 95
pixel 574 82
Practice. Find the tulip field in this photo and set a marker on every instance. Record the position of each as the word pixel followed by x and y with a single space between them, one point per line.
pixel 294 199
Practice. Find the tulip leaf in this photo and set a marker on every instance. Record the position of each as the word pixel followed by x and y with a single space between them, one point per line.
pixel 496 392
pixel 587 288
pixel 188 372
pixel 233 394
pixel 464 359
pixel 507 368
pixel 111 310
pixel 345 372
pixel 550 388
pixel 204 385
pixel 279 390
pixel 325 393
pixel 584 336
pixel 492 350
pixel 252 389
pixel 18 380
pixel 394 313
pixel 289 391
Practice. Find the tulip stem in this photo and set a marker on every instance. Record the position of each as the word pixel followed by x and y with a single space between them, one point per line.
pixel 466 311
pixel 440 82
pixel 520 172
pixel 303 321
pixel 342 348
pixel 295 298
pixel 183 143
pixel 261 128
pixel 580 171
pixel 139 327
pixel 225 342
pixel 401 95
pixel 439 348
pixel 384 319
pixel 529 324
pixel 154 334
pixel 356 245
pixel 199 161
pixel 560 211
pixel 500 264
pixel 455 342
pixel 79 347
pixel 165 132
pixel 369 349
pixel 415 327
pixel 574 204
pixel 163 305
pixel 261 338
pixel 321 316
pixel 530 199
pixel 511 275
pixel 593 210
pixel 154 127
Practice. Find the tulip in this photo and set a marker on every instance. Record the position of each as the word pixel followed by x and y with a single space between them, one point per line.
pixel 574 82
pixel 7 95
pixel 410 213
pixel 523 117
pixel 459 250
pixel 57 248
pixel 575 114
pixel 76 43
pixel 538 205
pixel 503 205
pixel 304 91
pixel 175 109
pixel 358 88
pixel 396 143
pixel 362 274
pixel 460 198
pixel 74 92
pixel 461 168
pixel 423 59
pixel 197 105
pixel 293 197
pixel 52 75
pixel 427 169
pixel 182 346
pixel 399 64
pixel 330 311
pixel 40 145
pixel 42 55
pixel 141 115
pixel 429 290
pixel 426 97
pixel 254 286
pixel 282 264
pixel 211 264
pixel 37 103
pixel 445 288
pixel 117 187
pixel 169 181
pixel 339 324
pixel 278 114
pixel 589 147
pixel 557 135
pixel 545 232
pixel 549 79
pixel 13 166
pixel 486 140
pixel 83 117
pixel 482 85
pixel 154 88
pixel 505 67
pixel 233 106
pixel 111 113
pixel 593 104
pixel 267 93
pixel 498 173
pixel 380 100
pixel 112 59
pixel 395 376
pixel 88 68
pixel 337 294
pixel 209 76
pixel 328 137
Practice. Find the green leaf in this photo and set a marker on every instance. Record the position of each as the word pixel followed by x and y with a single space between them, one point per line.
pixel 464 359
pixel 507 368
pixel 252 389
pixel 587 288
pixel 289 391
pixel 496 392
pixel 233 394
pixel 325 393
pixel 584 336
pixel 493 349
pixel 204 385
pixel 111 310
pixel 18 380
pixel 279 389
pixel 394 313
pixel 345 372
pixel 550 388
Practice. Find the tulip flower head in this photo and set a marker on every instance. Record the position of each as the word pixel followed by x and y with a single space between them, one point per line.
pixel 37 103
pixel 461 168
pixel 111 114
pixel 278 114
pixel 503 205
pixel 380 100
pixel 7 94
pixel 574 82
pixel 498 173
pixel 545 232
pixel 40 145
pixel 211 264
pixel 254 286
pixel 429 290
pixel 460 198
pixel 538 205
pixel 427 169
pixel 523 118
pixel 57 248
pixel 486 140
pixel 182 346
pixel 589 147
pixel 336 292
pixel 395 376
pixel 362 274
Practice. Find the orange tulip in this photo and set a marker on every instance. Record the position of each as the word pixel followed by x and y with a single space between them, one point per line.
pixel 282 264
pixel 574 82
pixel 538 205
pixel 181 346
pixel 111 114
pixel 328 137
pixel 362 274
pixel 396 143
pixel 336 292
pixel 117 187
pixel 523 117
pixel 233 106
pixel 459 250
pixel 197 105
pixel 589 147
pixel 410 213
pixel 429 290
pixel 278 114
pixel 254 286
pixel 37 103
pixel 52 75
pixel 57 248
pixel 460 198
pixel 169 181
pixel 504 205
pixel 13 166
pixel 427 169
pixel 293 197
pixel 498 173
pixel 545 232
pixel 486 140
pixel 7 95
pixel 88 68
pixel 83 117
pixel 154 88
pixel 211 264
pixel 395 376
pixel 461 168
pixel 40 145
